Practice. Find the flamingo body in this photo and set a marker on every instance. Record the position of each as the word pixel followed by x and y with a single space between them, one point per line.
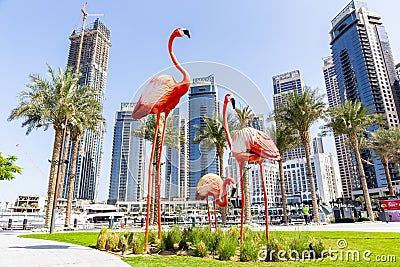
pixel 161 94
pixel 249 144
pixel 212 185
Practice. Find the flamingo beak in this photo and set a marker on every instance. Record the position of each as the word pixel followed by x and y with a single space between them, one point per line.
pixel 233 190
pixel 233 102
pixel 198 196
pixel 186 32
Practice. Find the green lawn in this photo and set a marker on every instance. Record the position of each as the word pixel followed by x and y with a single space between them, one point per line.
pixel 379 244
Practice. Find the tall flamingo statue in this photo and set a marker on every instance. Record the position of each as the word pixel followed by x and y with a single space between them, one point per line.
pixel 212 185
pixel 160 96
pixel 251 145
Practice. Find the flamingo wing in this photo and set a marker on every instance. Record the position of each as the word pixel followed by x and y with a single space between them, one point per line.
pixel 209 184
pixel 253 141
pixel 154 97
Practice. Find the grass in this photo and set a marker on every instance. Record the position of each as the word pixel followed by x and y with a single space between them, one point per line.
pixel 378 243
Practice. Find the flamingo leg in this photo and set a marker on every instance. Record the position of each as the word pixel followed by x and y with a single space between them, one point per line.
pixel 149 184
pixel 158 175
pixel 215 215
pixel 208 211
pixel 265 199
pixel 243 201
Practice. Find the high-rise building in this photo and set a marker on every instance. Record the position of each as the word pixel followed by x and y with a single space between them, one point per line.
pixel 297 183
pixel 202 103
pixel 93 66
pixel 318 145
pixel 128 158
pixel 365 71
pixel 345 156
pixel 176 168
pixel 286 84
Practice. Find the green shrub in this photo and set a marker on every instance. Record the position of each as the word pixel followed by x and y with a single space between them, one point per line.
pixel 249 250
pixel 102 238
pixel 184 243
pixel 153 237
pixel 362 219
pixel 234 231
pixel 299 243
pixel 173 237
pixel 318 246
pixel 122 241
pixel 227 246
pixel 212 240
pixel 201 249
pixel 113 240
pixel 276 245
pixel 136 243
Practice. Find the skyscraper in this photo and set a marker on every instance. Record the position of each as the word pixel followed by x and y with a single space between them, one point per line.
pixel 176 168
pixel 345 156
pixel 286 84
pixel 202 103
pixel 365 70
pixel 93 66
pixel 128 158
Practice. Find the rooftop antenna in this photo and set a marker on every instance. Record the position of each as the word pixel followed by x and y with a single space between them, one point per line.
pixel 85 15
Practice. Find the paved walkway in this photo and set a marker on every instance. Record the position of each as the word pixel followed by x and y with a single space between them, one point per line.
pixel 15 251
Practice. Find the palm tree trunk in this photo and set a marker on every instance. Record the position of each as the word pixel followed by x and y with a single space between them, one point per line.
pixel 71 186
pixel 63 165
pixel 354 143
pixel 385 163
pixel 305 139
pixel 247 211
pixel 154 193
pixel 283 191
pixel 53 173
pixel 220 154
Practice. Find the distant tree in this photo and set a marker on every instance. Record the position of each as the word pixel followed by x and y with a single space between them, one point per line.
pixel 285 139
pixel 299 113
pixel 353 119
pixel 8 168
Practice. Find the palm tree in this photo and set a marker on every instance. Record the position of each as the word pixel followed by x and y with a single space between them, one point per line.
pixel 87 115
pixel 285 139
pixel 44 104
pixel 146 131
pixel 353 119
pixel 381 143
pixel 213 136
pixel 395 141
pixel 245 116
pixel 299 113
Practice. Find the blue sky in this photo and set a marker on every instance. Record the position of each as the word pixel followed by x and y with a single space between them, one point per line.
pixel 258 38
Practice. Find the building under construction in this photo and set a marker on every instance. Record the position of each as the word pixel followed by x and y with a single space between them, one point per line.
pixel 92 59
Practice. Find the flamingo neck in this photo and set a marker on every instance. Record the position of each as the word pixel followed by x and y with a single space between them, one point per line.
pixel 228 135
pixel 224 201
pixel 186 78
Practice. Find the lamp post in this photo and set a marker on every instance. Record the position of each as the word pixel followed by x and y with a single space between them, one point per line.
pixel 59 162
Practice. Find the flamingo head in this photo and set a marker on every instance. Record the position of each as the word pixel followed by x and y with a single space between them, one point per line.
pixel 180 32
pixel 229 98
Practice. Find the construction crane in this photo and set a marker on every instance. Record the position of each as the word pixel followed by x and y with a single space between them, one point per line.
pixel 85 15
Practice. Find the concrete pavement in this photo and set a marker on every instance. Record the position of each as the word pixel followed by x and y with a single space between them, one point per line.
pixel 15 251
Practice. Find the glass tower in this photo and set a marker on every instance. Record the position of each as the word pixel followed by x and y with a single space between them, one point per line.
pixel 286 84
pixel 347 165
pixel 202 103
pixel 93 66
pixel 128 158
pixel 365 71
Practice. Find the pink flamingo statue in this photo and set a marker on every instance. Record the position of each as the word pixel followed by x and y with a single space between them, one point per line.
pixel 161 95
pixel 251 145
pixel 211 185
